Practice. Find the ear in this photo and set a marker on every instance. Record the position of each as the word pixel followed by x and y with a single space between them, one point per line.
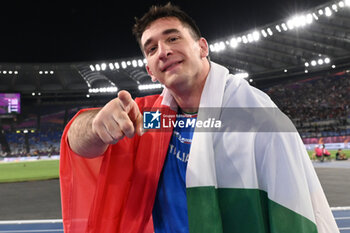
pixel 203 44
pixel 154 79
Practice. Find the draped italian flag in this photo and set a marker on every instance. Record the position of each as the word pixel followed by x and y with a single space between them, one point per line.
pixel 250 179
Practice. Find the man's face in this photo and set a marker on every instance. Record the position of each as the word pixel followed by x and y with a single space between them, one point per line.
pixel 174 58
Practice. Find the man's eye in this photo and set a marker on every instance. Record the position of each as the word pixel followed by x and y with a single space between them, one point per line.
pixel 173 38
pixel 151 49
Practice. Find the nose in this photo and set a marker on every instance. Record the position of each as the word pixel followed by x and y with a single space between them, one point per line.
pixel 164 51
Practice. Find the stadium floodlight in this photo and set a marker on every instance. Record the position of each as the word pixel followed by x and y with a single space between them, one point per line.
pixel 250 80
pixel 327 60
pixel 46 72
pixel 10 71
pixel 218 46
pixel 309 18
pixel 150 86
pixel 212 48
pixel 134 63
pixel 285 71
pixel 315 16
pixel 241 75
pixel 341 4
pixel 347 2
pixel 278 28
pixel 15 72
pixel 111 66
pixel 320 61
pixel 306 71
pixel 51 72
pixel 233 43
pixel 307 64
pixel 290 24
pixel 250 37
pixel 128 63
pixel 320 12
pixel 116 64
pixel 269 31
pixel 328 11
pixel 284 26
pixel 124 64
pixel 4 72
pixel 299 21
pixel 97 67
pixel 256 35
pixel 103 66
pixel 112 89
pixel 333 66
pixel 40 72
pixel 33 93
pixel 334 7
pixel 244 39
pixel 145 61
pixel 140 63
pixel 103 90
pixel 87 96
pixel 313 63
pixel 92 68
pixel 263 32
pixel 222 46
pixel 239 39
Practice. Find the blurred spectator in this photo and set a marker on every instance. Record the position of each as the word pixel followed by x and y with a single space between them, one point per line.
pixel 318 153
pixel 340 155
pixel 325 153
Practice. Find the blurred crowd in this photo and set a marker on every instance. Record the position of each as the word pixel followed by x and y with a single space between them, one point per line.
pixel 319 107
pixel 45 142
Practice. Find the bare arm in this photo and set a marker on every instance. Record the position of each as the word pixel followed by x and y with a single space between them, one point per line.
pixel 93 131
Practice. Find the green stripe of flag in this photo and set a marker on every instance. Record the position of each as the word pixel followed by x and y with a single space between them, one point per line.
pixel 241 211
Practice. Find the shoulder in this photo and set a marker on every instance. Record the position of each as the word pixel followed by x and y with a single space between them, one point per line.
pixel 239 93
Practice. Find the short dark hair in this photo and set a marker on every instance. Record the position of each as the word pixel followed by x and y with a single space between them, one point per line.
pixel 157 12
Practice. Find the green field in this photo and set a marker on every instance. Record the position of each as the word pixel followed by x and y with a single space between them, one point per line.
pixel 347 152
pixel 49 169
pixel 29 170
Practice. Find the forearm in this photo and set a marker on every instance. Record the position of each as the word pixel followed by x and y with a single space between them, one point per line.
pixel 82 140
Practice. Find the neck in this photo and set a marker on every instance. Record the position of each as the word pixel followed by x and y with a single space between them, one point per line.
pixel 188 98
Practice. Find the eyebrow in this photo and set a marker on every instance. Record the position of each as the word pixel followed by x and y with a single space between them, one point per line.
pixel 165 32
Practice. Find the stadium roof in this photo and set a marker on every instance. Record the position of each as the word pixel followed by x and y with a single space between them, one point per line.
pixel 306 43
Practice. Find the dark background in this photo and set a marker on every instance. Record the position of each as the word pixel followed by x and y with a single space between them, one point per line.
pixel 48 31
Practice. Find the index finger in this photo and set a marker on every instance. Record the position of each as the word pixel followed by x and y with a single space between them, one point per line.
pixel 130 106
pixel 126 100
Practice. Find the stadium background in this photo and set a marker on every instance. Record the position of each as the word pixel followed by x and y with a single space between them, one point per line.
pixel 62 58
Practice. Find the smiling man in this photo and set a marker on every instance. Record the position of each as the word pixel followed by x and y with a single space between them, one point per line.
pixel 248 176
pixel 177 58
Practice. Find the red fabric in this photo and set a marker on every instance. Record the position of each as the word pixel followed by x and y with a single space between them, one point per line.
pixel 318 151
pixel 326 152
pixel 114 193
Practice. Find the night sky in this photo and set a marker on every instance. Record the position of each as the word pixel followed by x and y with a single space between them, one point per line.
pixel 37 32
